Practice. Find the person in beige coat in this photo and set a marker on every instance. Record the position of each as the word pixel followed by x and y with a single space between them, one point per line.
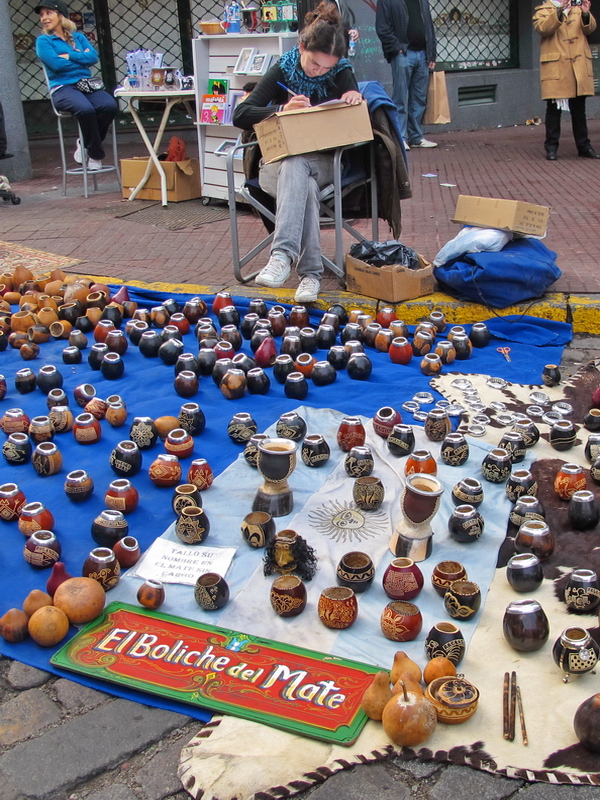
pixel 566 69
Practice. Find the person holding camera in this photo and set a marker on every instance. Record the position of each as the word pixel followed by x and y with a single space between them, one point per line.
pixel 566 69
pixel 67 55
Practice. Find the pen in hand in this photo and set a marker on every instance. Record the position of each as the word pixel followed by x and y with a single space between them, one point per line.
pixel 289 91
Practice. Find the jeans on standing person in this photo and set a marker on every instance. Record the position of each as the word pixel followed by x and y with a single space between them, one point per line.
pixel 410 78
pixel 94 111
pixel 296 182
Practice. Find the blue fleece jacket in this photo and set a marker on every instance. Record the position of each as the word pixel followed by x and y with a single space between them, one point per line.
pixel 64 71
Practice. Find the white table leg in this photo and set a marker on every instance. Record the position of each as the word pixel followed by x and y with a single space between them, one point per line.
pixel 153 149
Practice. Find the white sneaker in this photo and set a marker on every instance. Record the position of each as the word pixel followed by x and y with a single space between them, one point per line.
pixel 78 154
pixel 277 271
pixel 426 143
pixel 308 291
pixel 93 165
pixel 406 146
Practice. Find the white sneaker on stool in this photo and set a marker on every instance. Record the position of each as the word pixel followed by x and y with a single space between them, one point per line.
pixel 276 272
pixel 93 165
pixel 406 146
pixel 426 143
pixel 308 291
pixel 78 154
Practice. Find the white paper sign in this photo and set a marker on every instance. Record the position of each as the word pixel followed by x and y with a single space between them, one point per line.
pixel 171 562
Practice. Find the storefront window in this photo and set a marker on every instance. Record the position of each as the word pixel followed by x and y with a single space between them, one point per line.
pixel 475 34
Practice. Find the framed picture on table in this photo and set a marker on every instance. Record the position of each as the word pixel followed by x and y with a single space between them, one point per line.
pixel 244 60
pixel 260 64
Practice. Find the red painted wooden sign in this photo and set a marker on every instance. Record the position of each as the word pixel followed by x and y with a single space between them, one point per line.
pixel 293 688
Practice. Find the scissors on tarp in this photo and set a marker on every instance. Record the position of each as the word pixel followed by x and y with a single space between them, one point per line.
pixel 505 351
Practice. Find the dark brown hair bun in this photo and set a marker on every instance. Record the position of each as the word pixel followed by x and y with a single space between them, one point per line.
pixel 324 32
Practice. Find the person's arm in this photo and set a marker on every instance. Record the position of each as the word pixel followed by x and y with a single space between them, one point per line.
pixel 430 38
pixel 383 26
pixel 85 54
pixel 347 88
pixel 547 20
pixel 588 22
pixel 47 51
pixel 266 98
pixel 345 81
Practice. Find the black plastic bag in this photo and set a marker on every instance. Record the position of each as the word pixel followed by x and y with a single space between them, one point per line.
pixel 390 252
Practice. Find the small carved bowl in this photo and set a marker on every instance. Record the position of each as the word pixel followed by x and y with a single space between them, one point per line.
pixel 455 699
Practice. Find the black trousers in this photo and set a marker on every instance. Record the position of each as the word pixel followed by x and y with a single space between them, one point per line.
pixel 578 121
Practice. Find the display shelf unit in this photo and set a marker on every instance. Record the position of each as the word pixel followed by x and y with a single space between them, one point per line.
pixel 215 57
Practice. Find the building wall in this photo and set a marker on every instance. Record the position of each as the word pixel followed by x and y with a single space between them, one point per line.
pixel 517 90
pixel 138 23
pixel 517 100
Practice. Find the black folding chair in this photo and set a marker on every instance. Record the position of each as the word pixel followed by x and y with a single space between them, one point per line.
pixel 348 177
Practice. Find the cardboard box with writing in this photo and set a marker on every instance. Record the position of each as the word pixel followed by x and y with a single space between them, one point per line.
pixel 392 283
pixel 506 215
pixel 289 133
pixel 183 179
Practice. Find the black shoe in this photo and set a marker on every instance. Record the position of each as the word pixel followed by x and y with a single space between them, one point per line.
pixel 589 152
pixel 552 155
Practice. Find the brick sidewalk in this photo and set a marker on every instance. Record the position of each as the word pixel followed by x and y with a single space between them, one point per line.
pixel 505 162
pixel 42 715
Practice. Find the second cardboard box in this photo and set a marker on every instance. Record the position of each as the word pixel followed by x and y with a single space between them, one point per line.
pixel 505 215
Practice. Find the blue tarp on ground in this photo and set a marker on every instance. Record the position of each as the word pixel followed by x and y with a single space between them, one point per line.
pixel 147 388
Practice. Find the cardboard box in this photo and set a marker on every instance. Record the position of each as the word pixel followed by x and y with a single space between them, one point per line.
pixel 390 283
pixel 183 179
pixel 506 215
pixel 288 133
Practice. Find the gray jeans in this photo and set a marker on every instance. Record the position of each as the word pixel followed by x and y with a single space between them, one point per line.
pixel 295 182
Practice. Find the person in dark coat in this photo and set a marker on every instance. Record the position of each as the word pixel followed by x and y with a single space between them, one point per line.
pixel 405 29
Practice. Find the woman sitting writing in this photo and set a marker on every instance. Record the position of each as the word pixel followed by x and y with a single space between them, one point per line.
pixel 67 55
pixel 314 72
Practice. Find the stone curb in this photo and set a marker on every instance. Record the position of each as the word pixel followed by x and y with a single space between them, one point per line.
pixel 582 310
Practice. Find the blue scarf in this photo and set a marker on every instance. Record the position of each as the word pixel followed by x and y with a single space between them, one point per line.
pixel 298 80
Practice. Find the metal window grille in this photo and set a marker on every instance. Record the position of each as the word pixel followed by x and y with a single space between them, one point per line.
pixel 25 30
pixel 205 9
pixel 150 26
pixel 475 34
pixel 114 27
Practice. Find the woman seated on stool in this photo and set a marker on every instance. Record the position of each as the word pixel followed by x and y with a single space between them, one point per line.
pixel 66 55
pixel 315 72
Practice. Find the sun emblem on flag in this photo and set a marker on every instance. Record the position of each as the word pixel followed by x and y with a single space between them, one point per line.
pixel 342 521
